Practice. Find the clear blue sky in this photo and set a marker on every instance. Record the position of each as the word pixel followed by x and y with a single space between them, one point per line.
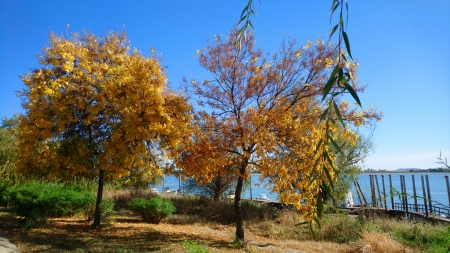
pixel 402 46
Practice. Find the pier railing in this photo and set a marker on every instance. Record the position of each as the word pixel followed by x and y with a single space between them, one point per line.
pixel 438 210
pixel 378 197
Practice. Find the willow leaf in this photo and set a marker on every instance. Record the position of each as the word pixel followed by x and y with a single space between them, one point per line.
pixel 347 43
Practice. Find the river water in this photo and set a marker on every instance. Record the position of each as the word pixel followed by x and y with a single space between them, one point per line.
pixel 438 187
pixel 437 184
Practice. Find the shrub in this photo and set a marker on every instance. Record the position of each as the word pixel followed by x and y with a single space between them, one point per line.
pixel 153 210
pixel 107 211
pixel 36 202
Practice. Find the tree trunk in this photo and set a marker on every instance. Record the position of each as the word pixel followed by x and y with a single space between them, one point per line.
pixel 237 202
pixel 98 205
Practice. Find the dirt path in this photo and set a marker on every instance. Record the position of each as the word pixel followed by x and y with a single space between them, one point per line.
pixel 6 246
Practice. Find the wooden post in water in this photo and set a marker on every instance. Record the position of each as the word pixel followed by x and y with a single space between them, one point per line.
pixel 372 191
pixel 384 192
pixel 429 194
pixel 362 194
pixel 406 197
pixel 357 192
pixel 390 191
pixel 414 191
pixel 378 189
pixel 402 193
pixel 424 196
pixel 448 189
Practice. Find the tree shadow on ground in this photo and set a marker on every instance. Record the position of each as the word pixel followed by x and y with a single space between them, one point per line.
pixel 76 235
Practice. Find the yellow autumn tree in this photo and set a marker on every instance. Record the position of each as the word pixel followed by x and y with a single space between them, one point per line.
pixel 94 108
pixel 262 113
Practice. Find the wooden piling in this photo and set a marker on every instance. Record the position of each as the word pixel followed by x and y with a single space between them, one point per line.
pixel 372 191
pixel 406 197
pixel 390 191
pixel 384 192
pixel 362 194
pixel 357 192
pixel 424 197
pixel 448 189
pixel 414 191
pixel 378 189
pixel 402 192
pixel 429 194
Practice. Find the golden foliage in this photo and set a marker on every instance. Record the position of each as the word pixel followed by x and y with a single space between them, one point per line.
pixel 263 114
pixel 96 105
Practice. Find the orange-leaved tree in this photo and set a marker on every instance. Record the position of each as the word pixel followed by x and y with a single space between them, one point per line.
pixel 263 113
pixel 93 108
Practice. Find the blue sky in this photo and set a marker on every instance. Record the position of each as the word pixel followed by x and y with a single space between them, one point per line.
pixel 403 48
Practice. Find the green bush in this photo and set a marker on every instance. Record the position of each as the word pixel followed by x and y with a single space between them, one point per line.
pixel 153 210
pixel 36 202
pixel 107 211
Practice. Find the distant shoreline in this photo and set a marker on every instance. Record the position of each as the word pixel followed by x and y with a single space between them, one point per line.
pixel 405 172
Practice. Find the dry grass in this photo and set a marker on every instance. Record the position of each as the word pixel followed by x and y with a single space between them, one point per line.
pixel 374 242
pixel 129 234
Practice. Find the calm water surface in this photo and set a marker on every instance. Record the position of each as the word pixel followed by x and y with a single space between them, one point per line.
pixel 437 182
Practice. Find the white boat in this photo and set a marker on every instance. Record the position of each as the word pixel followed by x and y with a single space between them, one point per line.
pixel 263 196
pixel 230 195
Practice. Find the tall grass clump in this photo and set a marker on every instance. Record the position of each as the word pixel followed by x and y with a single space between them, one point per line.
pixel 339 228
pixel 121 197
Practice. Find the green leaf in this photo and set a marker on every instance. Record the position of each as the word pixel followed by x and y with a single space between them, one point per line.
pixel 302 223
pixel 333 9
pixel 242 19
pixel 341 21
pixel 353 93
pixel 328 87
pixel 243 11
pixel 327 173
pixel 312 231
pixel 328 158
pixel 330 82
pixel 341 74
pixel 316 163
pixel 312 179
pixel 332 5
pixel 334 30
pixel 336 146
pixel 332 121
pixel 317 147
pixel 328 191
pixel 317 221
pixel 347 76
pixel 347 43
pixel 338 113
pixel 251 25
pixel 319 205
pixel 324 114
